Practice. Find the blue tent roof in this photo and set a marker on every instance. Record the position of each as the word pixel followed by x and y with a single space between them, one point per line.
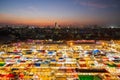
pixel 96 51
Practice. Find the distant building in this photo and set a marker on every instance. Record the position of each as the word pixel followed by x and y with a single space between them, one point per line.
pixel 56 25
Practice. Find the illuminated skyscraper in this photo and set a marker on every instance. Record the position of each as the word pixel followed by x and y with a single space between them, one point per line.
pixel 56 25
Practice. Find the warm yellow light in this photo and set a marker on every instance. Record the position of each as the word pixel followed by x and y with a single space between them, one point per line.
pixel 71 43
pixel 103 43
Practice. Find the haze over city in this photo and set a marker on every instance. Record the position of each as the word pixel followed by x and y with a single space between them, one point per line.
pixel 73 12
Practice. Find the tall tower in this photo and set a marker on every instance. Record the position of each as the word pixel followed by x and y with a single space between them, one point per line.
pixel 56 25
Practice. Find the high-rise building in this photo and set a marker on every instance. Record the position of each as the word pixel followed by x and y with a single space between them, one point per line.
pixel 56 25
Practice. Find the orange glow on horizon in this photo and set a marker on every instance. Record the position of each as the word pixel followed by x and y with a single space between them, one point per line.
pixel 13 19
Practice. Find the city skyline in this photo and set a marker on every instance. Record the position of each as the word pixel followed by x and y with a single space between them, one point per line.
pixel 46 12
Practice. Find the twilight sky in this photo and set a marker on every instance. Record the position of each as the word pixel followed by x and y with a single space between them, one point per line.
pixel 46 12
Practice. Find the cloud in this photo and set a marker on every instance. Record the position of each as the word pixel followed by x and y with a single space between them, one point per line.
pixel 92 4
pixel 29 11
pixel 32 8
pixel 98 4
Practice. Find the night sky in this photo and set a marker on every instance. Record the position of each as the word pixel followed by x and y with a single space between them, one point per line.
pixel 47 12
